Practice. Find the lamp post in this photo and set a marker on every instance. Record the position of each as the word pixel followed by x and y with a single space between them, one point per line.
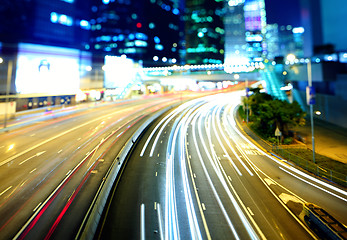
pixel 247 95
pixel 310 97
pixel 311 101
pixel 9 76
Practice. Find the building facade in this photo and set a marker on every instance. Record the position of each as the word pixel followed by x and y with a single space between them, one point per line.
pixel 204 31
pixel 44 46
pixel 235 32
pixel 146 31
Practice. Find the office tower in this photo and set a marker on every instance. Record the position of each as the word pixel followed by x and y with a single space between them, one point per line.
pixel 323 21
pixel 204 32
pixel 255 23
pixel 36 35
pixel 146 31
pixel 235 31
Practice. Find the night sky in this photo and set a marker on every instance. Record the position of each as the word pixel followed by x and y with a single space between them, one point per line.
pixel 283 12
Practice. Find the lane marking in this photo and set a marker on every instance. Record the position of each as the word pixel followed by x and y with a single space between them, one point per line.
pixel 160 223
pixel 155 205
pixel 250 211
pixel 5 190
pixel 303 180
pixel 32 135
pixel 203 206
pixel 60 151
pixel 49 140
pixel 36 155
pixel 156 174
pixel 33 170
pixel 142 222
pixel 38 205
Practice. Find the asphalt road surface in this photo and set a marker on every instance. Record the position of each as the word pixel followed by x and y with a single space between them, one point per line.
pixel 194 175
pixel 51 168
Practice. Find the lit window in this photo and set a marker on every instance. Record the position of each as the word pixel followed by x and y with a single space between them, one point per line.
pixel 85 24
pixel 54 17
pixel 151 25
pixel 159 47
pixel 61 19
pixel 156 39
pixel 141 36
pixel 175 11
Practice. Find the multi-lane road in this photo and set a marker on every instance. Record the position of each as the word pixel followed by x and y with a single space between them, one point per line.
pixel 51 168
pixel 192 175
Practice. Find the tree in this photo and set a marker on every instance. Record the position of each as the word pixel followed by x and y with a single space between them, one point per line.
pixel 269 113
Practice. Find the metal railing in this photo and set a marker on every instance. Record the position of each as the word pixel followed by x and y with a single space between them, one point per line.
pixel 311 167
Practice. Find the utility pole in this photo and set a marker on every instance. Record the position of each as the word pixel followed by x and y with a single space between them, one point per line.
pixel 9 76
pixel 310 100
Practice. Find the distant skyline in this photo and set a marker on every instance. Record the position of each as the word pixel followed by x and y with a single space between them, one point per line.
pixel 283 12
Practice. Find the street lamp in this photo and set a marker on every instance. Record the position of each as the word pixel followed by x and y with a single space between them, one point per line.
pixel 309 97
pixel 9 76
pixel 310 101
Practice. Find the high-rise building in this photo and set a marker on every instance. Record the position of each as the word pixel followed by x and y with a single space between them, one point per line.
pixel 61 23
pixel 204 31
pixel 284 40
pixel 148 31
pixel 245 23
pixel 323 21
pixel 30 28
pixel 255 23
pixel 235 32
pixel 272 41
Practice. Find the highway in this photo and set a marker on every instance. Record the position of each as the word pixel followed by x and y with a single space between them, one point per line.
pixel 194 175
pixel 51 167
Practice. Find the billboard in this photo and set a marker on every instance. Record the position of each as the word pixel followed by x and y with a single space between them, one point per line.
pixel 47 69
pixel 119 71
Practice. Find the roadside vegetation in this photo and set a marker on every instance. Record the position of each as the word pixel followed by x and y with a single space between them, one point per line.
pixel 266 113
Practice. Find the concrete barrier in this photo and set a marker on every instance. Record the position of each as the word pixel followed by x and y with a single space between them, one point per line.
pixel 325 223
pixel 91 221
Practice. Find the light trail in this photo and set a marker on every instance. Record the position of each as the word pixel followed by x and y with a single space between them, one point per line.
pixel 227 141
pixel 231 226
pixel 244 220
pixel 233 125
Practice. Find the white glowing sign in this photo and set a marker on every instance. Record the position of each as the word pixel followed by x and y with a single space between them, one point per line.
pixel 45 69
pixel 119 71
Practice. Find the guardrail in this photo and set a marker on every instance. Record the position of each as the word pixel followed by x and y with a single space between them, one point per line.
pixel 91 220
pixel 325 223
pixel 320 171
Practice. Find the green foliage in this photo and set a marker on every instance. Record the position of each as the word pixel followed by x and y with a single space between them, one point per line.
pixel 288 141
pixel 267 113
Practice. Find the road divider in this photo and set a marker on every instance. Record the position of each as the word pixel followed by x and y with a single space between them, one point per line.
pixel 92 218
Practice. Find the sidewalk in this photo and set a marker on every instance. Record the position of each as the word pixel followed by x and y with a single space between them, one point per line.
pixel 330 140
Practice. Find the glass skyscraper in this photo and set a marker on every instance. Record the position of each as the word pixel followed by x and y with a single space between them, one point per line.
pixel 148 31
pixel 204 31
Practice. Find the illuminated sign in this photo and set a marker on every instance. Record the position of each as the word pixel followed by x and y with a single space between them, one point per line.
pixel 119 71
pixel 46 69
